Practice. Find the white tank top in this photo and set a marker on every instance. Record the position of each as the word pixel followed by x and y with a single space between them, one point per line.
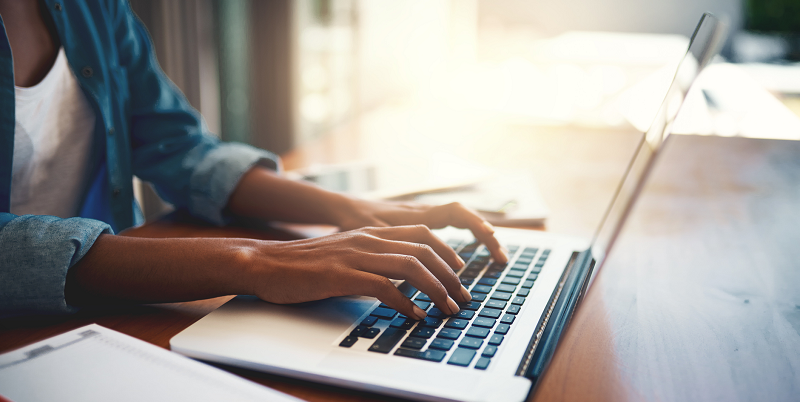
pixel 52 144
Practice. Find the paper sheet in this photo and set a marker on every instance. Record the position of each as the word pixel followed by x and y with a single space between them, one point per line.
pixel 94 363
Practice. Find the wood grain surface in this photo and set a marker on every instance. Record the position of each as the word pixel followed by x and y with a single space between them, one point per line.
pixel 700 300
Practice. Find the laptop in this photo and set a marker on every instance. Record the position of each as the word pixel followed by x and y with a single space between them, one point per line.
pixel 495 349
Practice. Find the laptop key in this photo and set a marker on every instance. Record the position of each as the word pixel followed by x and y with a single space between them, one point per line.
pixel 511 280
pixel 496 304
pixel 371 333
pixel 487 281
pixel 402 323
pixel 467 281
pixel 408 353
pixel 462 357
pixel 533 277
pixel 422 304
pixel 496 339
pixel 473 305
pixel 457 323
pixel 527 284
pixel 518 300
pixel 504 296
pixel 449 333
pixel 423 332
pixel 507 319
pixel 432 322
pixel 490 312
pixel 423 297
pixel 436 313
pixel 359 331
pixel 387 341
pixel 520 266
pixel 479 297
pixel 413 343
pixel 482 363
pixel 384 313
pixel 532 250
pixel 482 289
pixel 406 289
pixel 516 273
pixel 465 314
pixel 484 322
pixel 348 341
pixel 492 274
pixel 441 344
pixel 432 355
pixel 472 343
pixel 513 309
pixel 369 321
pixel 507 288
pixel 524 292
pixel 478 332
pixel 489 351
pixel 502 329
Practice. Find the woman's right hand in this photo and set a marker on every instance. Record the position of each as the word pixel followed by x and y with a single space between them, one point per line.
pixel 357 262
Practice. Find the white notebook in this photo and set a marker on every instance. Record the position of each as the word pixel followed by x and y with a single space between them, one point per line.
pixel 94 363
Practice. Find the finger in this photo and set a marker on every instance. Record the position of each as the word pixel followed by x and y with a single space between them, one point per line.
pixel 411 269
pixel 423 252
pixel 457 215
pixel 423 235
pixel 380 287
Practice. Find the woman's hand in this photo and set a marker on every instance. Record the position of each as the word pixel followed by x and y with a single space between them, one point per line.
pixel 387 213
pixel 267 195
pixel 357 262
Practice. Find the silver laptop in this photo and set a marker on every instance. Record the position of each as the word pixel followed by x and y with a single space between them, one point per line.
pixel 495 349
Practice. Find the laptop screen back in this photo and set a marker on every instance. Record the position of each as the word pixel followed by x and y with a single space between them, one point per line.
pixel 702 47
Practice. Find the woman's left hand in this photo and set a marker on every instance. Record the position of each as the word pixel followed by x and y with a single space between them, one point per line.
pixel 388 213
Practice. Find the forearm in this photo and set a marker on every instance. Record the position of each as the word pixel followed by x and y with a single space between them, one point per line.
pixel 265 194
pixel 120 269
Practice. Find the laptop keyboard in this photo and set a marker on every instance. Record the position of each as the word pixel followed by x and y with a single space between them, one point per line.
pixel 498 293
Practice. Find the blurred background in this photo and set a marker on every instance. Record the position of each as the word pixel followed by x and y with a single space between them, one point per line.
pixel 279 74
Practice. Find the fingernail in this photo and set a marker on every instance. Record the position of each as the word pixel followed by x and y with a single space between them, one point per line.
pixel 465 293
pixel 453 306
pixel 461 261
pixel 419 313
pixel 488 226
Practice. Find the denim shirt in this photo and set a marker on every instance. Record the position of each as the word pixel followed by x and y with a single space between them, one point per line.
pixel 145 127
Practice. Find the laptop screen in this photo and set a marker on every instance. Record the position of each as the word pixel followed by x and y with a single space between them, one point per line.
pixel 702 47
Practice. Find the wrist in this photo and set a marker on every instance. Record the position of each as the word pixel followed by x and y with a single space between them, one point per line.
pixel 343 209
pixel 240 265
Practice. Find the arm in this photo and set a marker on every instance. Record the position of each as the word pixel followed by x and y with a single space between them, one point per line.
pixel 255 196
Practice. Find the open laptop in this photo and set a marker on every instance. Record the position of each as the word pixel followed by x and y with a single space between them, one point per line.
pixel 495 349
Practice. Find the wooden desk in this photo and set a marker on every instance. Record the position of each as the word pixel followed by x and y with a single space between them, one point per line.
pixel 700 300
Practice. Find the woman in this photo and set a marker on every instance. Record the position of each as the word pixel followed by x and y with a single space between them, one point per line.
pixel 84 106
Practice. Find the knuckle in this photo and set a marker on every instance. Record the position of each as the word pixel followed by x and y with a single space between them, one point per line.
pixel 409 261
pixel 424 249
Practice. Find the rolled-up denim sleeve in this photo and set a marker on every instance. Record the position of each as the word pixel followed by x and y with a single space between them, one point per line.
pixel 37 252
pixel 217 175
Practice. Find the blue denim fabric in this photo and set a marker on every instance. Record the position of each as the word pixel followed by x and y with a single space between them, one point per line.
pixel 145 127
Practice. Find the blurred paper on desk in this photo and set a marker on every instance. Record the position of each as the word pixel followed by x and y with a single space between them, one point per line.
pixel 94 363
pixel 508 198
